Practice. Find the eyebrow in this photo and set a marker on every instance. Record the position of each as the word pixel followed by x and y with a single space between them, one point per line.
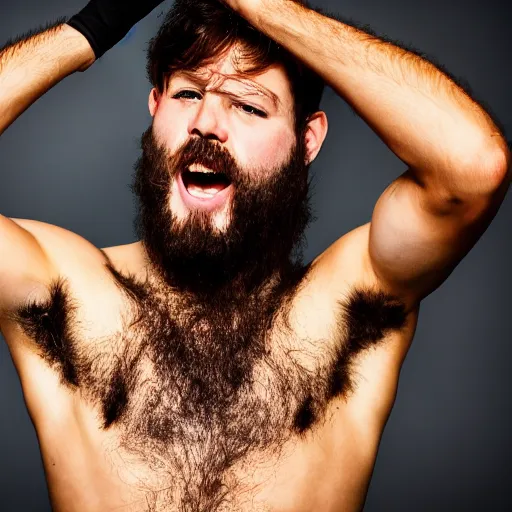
pixel 257 89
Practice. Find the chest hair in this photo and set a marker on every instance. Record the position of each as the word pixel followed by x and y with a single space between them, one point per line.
pixel 193 388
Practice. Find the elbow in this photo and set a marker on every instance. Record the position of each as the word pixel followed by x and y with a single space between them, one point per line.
pixel 490 169
pixel 499 167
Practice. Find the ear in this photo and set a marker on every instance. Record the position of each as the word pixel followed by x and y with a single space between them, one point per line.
pixel 154 99
pixel 316 130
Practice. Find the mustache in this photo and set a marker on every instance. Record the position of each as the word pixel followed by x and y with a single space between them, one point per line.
pixel 207 153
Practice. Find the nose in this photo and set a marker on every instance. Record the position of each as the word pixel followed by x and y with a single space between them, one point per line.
pixel 208 120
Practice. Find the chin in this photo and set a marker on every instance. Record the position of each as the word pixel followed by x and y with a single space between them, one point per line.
pixel 221 221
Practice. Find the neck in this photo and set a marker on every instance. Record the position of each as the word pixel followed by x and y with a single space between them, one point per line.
pixel 206 281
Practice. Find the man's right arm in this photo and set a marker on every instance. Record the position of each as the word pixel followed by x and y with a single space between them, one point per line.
pixel 28 69
pixel 31 67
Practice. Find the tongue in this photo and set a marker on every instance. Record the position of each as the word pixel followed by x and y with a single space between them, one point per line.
pixel 204 192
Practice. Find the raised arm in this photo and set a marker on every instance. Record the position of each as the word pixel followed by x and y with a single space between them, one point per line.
pixel 29 67
pixel 458 159
pixel 33 65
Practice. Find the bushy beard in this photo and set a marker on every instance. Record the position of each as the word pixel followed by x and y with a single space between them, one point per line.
pixel 267 218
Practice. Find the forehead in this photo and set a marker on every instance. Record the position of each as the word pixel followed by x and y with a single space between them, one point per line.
pixel 227 71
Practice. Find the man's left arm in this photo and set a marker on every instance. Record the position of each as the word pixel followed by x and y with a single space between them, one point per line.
pixel 458 161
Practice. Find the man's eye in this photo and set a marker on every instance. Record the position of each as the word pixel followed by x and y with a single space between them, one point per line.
pixel 249 109
pixel 187 94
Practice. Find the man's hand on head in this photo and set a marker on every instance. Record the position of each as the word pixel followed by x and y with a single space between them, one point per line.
pixel 246 8
pixel 261 13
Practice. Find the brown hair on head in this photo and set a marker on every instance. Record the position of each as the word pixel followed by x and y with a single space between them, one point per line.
pixel 195 33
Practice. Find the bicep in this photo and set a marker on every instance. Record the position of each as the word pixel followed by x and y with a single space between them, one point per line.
pixel 418 236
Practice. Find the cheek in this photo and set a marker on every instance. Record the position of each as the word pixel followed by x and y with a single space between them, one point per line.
pixel 167 132
pixel 268 150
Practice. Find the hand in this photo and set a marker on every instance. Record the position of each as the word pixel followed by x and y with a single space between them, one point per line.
pixel 244 7
pixel 105 22
pixel 249 9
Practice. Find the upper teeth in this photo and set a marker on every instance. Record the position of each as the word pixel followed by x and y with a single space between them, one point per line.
pixel 199 168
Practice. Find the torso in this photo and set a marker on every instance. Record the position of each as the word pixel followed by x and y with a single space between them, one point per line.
pixel 115 430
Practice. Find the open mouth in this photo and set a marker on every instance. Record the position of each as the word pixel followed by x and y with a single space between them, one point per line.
pixel 204 183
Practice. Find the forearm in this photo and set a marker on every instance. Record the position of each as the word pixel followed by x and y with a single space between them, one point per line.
pixel 29 68
pixel 420 113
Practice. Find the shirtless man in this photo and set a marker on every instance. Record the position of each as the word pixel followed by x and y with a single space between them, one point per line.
pixel 204 368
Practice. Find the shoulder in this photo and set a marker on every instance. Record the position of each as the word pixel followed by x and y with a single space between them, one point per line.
pixel 380 325
pixel 79 273
pixel 60 244
pixel 346 264
pixel 70 251
pixel 343 273
pixel 78 267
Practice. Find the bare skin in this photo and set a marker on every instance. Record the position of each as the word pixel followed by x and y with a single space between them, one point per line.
pixel 327 467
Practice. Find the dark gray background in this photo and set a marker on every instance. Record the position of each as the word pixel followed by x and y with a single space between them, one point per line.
pixel 68 161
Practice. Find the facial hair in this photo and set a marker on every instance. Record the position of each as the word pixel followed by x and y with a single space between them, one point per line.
pixel 265 231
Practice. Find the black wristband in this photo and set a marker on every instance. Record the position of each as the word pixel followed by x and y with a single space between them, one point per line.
pixel 105 22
